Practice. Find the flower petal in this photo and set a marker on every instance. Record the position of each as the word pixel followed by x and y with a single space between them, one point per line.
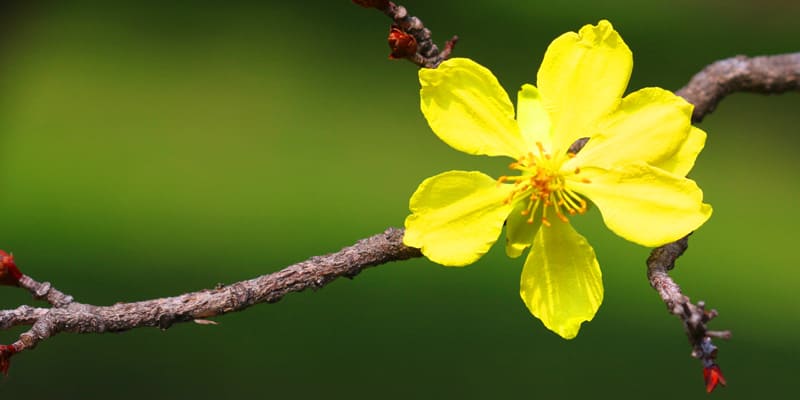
pixel 643 203
pixel 650 125
pixel 561 283
pixel 582 78
pixel 520 233
pixel 534 123
pixel 683 160
pixel 468 109
pixel 457 216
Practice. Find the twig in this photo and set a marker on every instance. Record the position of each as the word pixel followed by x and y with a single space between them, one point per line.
pixel 69 316
pixel 408 36
pixel 767 75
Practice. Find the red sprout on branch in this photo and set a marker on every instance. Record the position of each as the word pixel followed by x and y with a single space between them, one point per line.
pixel 9 273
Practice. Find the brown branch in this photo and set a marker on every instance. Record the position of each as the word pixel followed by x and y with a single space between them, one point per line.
pixel 765 74
pixel 69 316
pixel 22 315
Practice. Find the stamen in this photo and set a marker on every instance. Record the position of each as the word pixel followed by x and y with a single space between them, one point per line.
pixel 572 197
pixel 544 214
pixel 541 150
pixel 541 184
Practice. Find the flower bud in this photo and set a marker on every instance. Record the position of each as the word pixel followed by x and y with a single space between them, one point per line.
pixel 9 273
pixel 6 351
pixel 713 376
pixel 402 44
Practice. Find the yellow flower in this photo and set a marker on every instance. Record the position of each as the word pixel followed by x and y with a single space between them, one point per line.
pixel 633 169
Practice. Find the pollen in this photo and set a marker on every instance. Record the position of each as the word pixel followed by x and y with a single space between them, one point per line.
pixel 542 187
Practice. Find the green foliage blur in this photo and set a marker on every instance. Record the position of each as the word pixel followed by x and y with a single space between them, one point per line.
pixel 153 148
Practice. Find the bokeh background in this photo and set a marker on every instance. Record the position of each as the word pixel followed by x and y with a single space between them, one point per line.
pixel 153 148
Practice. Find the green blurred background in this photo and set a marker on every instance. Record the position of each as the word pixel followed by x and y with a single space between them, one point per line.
pixel 149 149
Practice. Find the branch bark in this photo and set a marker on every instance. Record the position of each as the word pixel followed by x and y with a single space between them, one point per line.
pixel 765 74
pixel 69 316
pixel 769 74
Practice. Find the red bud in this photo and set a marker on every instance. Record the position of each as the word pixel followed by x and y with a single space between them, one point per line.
pixel 402 44
pixel 9 273
pixel 5 355
pixel 713 376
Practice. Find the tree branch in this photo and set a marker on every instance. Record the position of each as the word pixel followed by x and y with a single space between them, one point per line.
pixel 69 316
pixel 769 74
pixel 765 74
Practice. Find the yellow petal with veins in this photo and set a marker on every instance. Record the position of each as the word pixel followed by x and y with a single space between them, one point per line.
pixel 644 204
pixel 561 282
pixel 582 78
pixel 457 216
pixel 468 109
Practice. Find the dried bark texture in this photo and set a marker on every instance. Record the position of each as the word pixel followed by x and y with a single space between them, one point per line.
pixel 765 74
pixel 69 316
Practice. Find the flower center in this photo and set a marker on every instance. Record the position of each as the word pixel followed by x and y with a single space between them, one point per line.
pixel 541 183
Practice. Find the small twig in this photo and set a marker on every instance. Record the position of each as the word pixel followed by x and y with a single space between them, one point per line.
pixel 22 315
pixel 44 291
pixel 408 36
